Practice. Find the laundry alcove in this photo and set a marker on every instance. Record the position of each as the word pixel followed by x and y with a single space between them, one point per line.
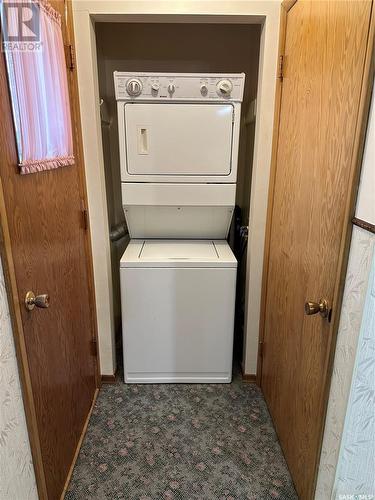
pixel 180 48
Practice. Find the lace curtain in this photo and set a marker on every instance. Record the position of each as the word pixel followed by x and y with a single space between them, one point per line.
pixel 39 91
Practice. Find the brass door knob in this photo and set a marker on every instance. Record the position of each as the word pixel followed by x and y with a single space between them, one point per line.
pixel 320 307
pixel 32 300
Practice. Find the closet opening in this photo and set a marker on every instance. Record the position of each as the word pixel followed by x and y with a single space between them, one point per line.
pixel 178 48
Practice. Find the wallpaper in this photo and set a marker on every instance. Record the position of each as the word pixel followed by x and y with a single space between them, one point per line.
pixel 357 278
pixel 355 470
pixel 17 480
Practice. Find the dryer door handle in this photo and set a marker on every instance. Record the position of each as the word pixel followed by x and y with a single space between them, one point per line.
pixel 143 140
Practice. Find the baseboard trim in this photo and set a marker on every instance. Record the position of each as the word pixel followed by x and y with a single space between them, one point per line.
pixel 249 378
pixel 108 379
pixel 69 476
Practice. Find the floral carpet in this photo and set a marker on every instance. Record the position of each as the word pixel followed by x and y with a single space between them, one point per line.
pixel 182 442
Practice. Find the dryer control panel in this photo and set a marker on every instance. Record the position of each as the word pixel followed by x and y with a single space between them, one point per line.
pixel 179 86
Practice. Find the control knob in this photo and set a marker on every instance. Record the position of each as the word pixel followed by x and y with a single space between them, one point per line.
pixel 224 88
pixel 134 87
pixel 155 88
pixel 171 88
pixel 204 90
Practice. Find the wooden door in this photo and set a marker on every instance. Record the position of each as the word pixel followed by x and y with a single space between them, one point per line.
pixel 46 249
pixel 321 102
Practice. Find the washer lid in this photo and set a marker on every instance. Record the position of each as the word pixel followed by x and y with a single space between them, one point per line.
pixel 178 253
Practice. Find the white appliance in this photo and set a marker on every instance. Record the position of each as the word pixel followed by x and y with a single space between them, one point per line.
pixel 178 138
pixel 178 301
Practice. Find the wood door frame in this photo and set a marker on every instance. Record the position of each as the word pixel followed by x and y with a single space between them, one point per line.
pixel 14 303
pixel 78 148
pixel 354 177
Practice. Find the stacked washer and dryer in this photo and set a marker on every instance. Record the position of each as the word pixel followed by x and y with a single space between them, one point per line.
pixel 178 138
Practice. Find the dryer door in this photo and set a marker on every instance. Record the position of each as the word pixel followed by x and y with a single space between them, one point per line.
pixel 169 139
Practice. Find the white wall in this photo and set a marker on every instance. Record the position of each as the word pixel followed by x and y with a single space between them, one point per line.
pixel 259 11
pixel 356 285
pixel 356 466
pixel 96 193
pixel 366 193
pixel 17 479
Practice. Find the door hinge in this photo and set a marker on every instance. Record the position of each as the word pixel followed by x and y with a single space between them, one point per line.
pixel 69 57
pixel 94 347
pixel 261 348
pixel 280 72
pixel 85 219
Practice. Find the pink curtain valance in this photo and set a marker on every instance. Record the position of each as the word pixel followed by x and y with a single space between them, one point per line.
pixel 39 92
